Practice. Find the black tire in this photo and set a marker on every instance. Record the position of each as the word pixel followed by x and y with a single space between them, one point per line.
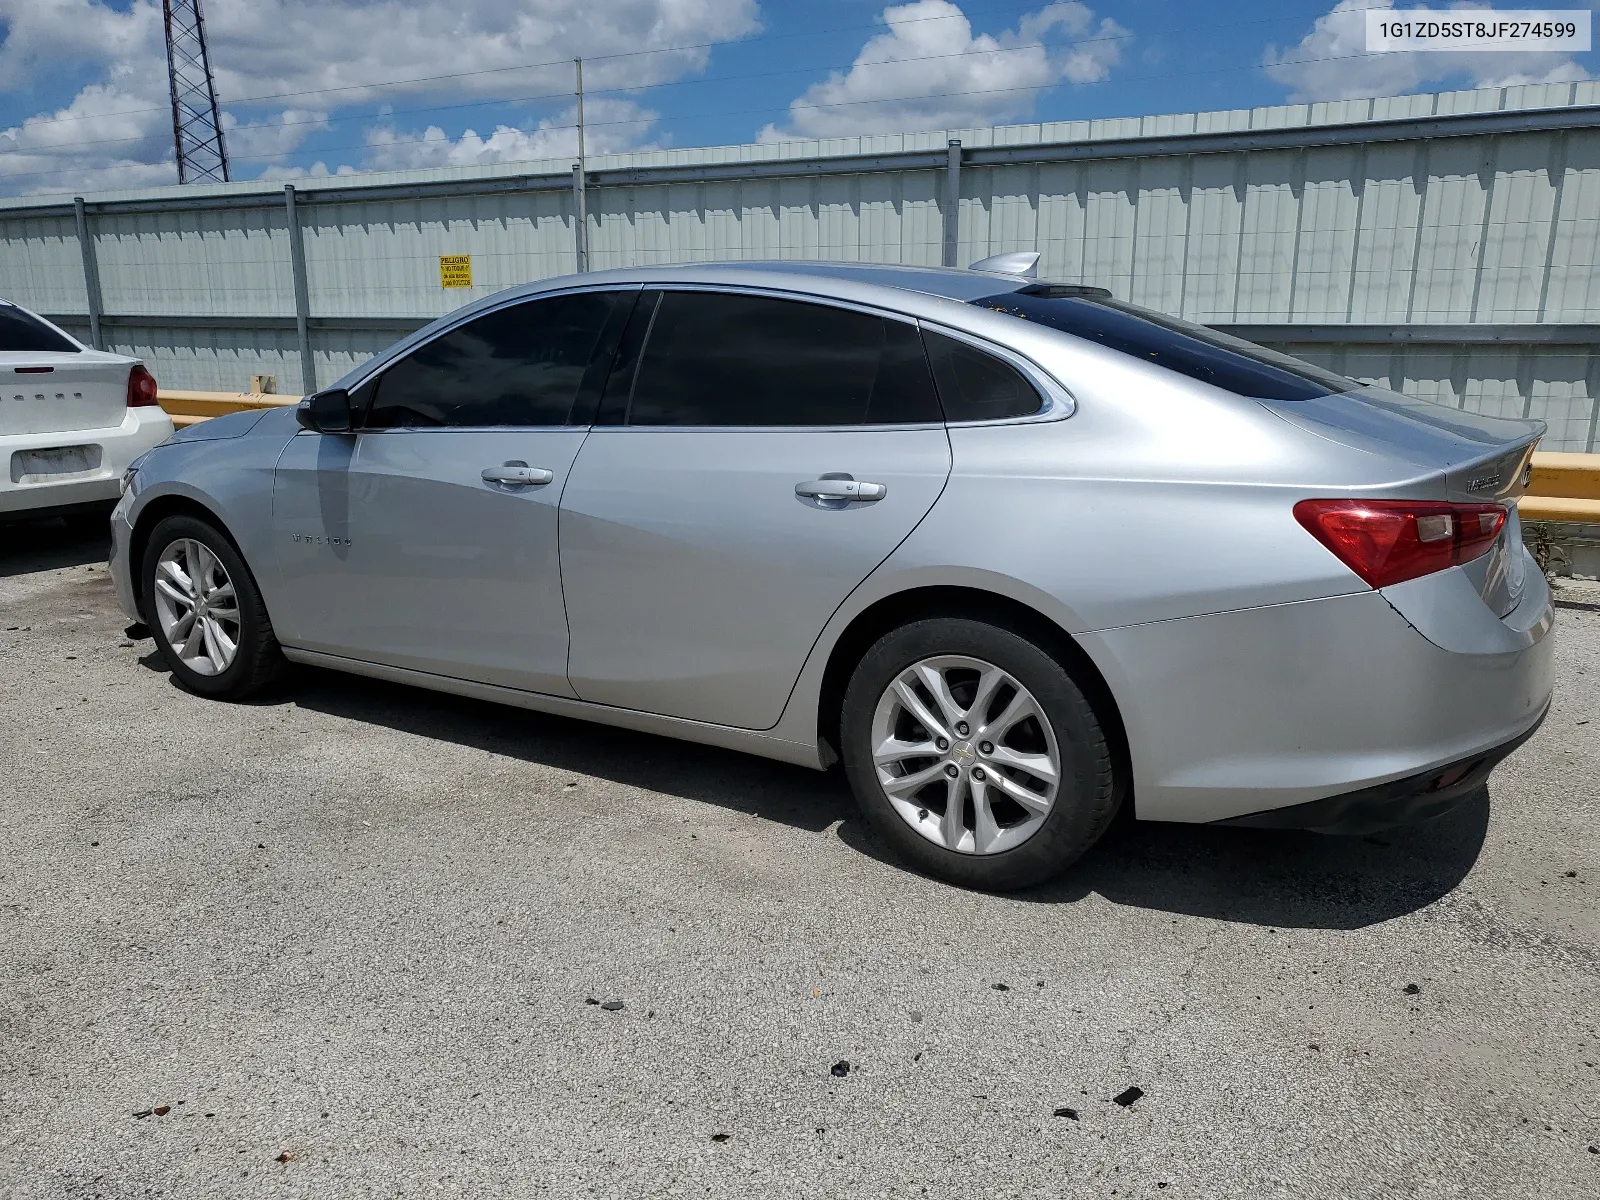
pixel 1086 798
pixel 258 663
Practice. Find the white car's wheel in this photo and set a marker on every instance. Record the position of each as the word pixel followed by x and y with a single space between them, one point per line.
pixel 206 612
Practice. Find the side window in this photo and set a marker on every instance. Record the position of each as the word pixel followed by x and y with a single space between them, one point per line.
pixel 974 386
pixel 719 358
pixel 521 365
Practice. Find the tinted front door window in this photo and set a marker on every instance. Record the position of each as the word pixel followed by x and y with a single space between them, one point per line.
pixel 724 359
pixel 521 365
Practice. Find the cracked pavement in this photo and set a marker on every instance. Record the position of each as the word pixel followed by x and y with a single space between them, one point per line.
pixel 346 939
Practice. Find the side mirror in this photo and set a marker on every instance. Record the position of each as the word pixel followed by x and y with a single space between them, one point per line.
pixel 325 412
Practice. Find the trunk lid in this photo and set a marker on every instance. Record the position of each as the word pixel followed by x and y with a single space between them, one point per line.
pixel 62 392
pixel 1461 456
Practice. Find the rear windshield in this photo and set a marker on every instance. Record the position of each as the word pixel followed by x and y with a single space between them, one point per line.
pixel 24 331
pixel 1194 350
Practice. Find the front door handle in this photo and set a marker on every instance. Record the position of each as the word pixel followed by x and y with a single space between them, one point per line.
pixel 518 474
pixel 840 487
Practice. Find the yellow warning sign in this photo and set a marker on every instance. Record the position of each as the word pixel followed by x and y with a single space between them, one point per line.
pixel 455 270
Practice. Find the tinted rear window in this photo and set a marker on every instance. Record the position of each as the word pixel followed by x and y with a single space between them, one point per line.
pixel 730 359
pixel 1194 350
pixel 24 331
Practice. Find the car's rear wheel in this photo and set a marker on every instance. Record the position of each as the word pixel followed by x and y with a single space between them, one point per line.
pixel 975 755
pixel 206 612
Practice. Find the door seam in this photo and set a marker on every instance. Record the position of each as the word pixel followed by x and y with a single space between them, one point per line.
pixel 845 599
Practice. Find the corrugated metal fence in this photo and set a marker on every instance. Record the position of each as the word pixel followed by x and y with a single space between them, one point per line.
pixel 1445 245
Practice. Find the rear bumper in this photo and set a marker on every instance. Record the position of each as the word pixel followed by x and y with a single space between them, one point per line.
pixel 118 446
pixel 1400 802
pixel 1280 707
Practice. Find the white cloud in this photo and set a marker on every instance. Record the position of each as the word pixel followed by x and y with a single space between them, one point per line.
pixel 117 131
pixel 611 125
pixel 1331 62
pixel 273 139
pixel 317 170
pixel 929 71
pixel 488 47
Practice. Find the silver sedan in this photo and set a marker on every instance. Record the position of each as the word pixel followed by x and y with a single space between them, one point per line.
pixel 1016 553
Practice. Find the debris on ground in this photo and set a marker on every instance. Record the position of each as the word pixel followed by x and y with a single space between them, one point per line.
pixel 916 1017
pixel 720 1137
pixel 1070 1114
pixel 613 1006
pixel 1127 1098
pixel 840 1069
pixel 1411 989
pixel 1001 987
pixel 284 1156
pixel 590 1000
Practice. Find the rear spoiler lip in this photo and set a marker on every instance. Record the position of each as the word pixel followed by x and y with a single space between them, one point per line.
pixel 1434 457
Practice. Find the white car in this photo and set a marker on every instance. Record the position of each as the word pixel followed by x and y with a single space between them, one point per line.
pixel 71 420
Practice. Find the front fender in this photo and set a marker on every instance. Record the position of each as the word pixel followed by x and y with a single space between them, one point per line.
pixel 230 478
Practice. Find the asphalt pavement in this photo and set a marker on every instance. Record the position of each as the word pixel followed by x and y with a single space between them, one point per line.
pixel 360 940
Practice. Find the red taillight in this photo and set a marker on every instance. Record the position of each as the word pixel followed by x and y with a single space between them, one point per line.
pixel 141 388
pixel 1389 541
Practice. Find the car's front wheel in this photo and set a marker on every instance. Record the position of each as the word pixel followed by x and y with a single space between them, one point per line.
pixel 206 612
pixel 975 755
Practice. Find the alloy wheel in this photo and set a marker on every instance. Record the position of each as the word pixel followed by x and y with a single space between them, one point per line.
pixel 965 754
pixel 197 607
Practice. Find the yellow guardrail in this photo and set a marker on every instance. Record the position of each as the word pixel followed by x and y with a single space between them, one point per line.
pixel 1565 487
pixel 186 408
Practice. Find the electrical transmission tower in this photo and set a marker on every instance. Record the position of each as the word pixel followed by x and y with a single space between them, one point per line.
pixel 196 122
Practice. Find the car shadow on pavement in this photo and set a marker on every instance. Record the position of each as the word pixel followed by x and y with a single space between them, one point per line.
pixel 1282 879
pixel 740 782
pixel 49 544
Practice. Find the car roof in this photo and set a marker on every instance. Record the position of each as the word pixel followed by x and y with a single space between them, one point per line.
pixel 842 279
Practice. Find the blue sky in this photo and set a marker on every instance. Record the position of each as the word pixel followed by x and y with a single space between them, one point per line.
pixel 318 86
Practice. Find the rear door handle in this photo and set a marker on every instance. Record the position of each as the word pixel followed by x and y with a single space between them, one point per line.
pixel 518 474
pixel 840 487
